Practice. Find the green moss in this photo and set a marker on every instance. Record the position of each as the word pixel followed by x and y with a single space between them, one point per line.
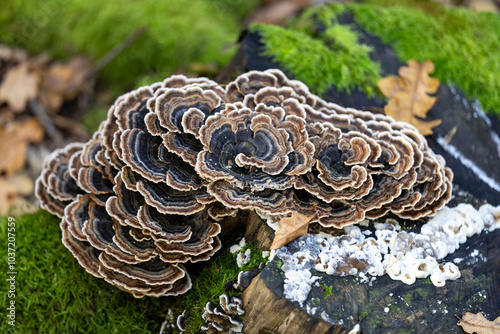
pixel 56 295
pixel 256 257
pixel 210 283
pixel 321 58
pixel 306 22
pixel 423 293
pixel 459 42
pixel 238 9
pixel 417 294
pixel 481 282
pixel 327 290
pixel 431 6
pixel 375 294
pixel 208 287
pixel 408 298
pixel 476 299
pixel 93 117
pixel 395 310
pixel 373 321
pixel 178 32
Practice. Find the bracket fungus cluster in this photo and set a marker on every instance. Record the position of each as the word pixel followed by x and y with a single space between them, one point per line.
pixel 142 197
pixel 223 319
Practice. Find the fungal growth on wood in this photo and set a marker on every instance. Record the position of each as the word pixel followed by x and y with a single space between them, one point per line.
pixel 223 318
pixel 385 249
pixel 144 195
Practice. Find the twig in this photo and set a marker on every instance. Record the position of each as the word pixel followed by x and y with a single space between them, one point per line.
pixel 392 251
pixel 72 126
pixel 47 123
pixel 117 49
pixel 407 247
pixel 449 136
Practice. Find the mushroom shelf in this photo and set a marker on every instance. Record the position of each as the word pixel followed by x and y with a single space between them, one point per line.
pixel 144 195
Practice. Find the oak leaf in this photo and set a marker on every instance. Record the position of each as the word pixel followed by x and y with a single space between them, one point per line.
pixel 14 140
pixel 409 95
pixel 291 228
pixel 6 115
pixel 18 86
pixel 477 323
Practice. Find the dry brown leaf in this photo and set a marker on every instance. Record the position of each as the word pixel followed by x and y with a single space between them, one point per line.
pixel 477 323
pixel 291 228
pixel 18 86
pixel 276 12
pixel 14 142
pixel 12 55
pixel 409 95
pixel 6 115
pixel 63 82
pixel 13 189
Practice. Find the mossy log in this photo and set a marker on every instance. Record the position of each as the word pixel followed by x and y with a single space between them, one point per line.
pixel 385 305
pixel 337 304
pixel 474 133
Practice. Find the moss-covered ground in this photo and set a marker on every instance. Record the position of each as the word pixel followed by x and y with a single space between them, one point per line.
pixel 179 33
pixel 54 294
pixel 462 44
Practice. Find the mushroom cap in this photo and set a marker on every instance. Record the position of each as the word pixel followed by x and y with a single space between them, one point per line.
pixel 246 148
pixel 245 278
pixel 181 320
pixel 55 187
pixel 361 160
pixel 225 317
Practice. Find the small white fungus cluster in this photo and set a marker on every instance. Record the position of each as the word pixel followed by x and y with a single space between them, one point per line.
pixel 403 256
pixel 243 257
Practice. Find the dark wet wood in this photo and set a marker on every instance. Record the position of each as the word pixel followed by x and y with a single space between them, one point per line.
pixel 385 306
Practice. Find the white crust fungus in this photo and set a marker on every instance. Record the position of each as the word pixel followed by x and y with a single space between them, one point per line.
pixel 403 256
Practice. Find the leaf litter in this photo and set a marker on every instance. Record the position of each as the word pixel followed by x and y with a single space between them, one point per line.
pixel 34 92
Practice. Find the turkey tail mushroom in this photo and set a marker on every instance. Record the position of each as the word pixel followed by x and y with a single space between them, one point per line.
pixel 142 197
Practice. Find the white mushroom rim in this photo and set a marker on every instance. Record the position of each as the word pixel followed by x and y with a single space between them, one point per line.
pixel 403 256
